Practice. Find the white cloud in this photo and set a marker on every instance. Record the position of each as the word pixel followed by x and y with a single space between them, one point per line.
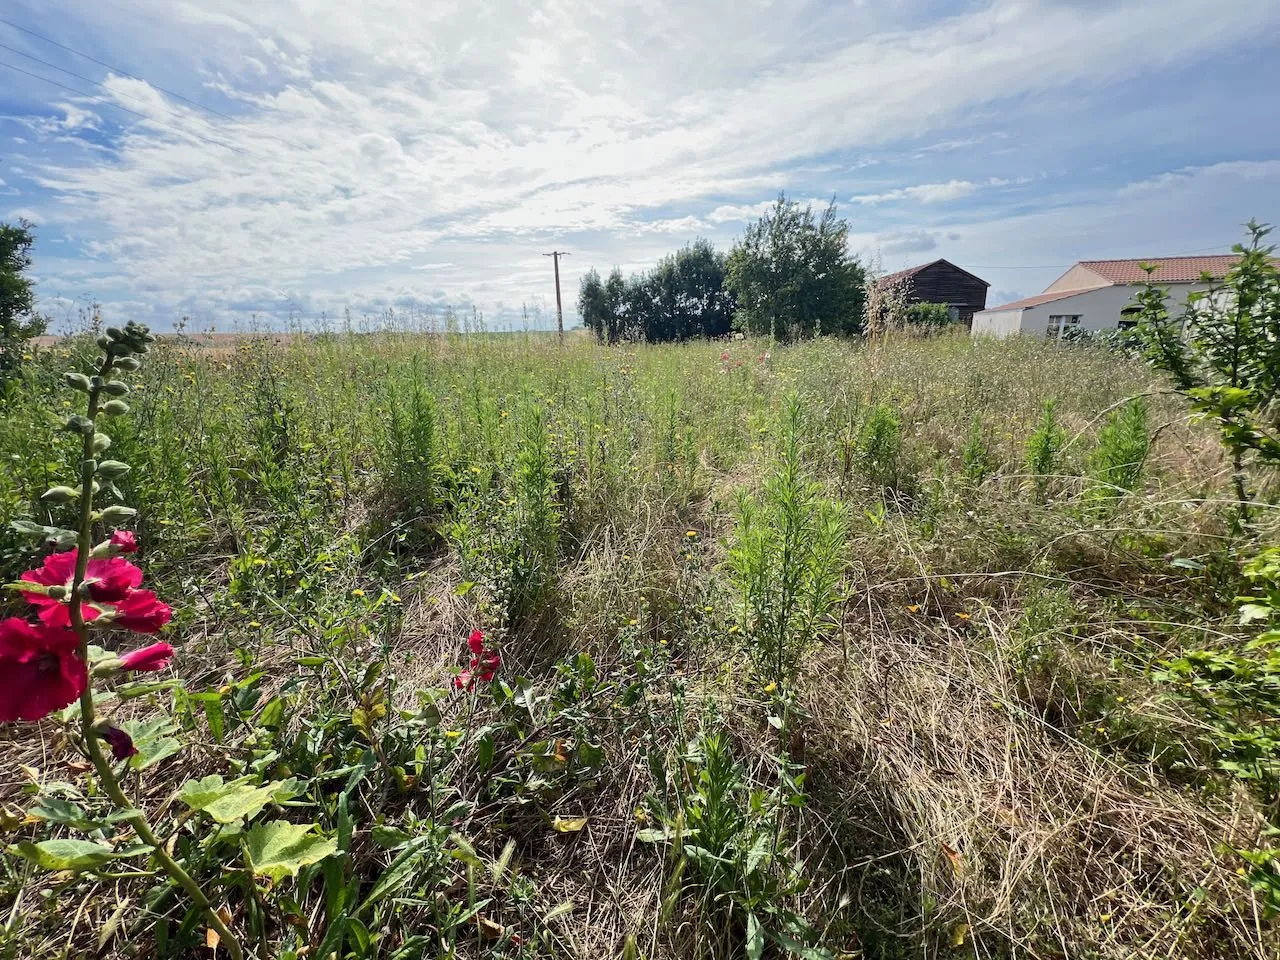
pixel 935 192
pixel 369 138
pixel 1247 170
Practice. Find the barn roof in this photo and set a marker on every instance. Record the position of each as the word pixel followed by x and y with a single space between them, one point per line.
pixel 912 271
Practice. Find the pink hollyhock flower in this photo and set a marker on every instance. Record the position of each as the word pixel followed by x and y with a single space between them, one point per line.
pixel 484 664
pixel 140 612
pixel 148 659
pixel 121 743
pixel 113 593
pixel 40 670
pixel 724 356
pixel 124 541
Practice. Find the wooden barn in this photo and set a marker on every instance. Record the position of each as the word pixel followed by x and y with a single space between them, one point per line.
pixel 943 282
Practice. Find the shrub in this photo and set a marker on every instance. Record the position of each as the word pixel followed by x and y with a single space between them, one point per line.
pixel 1043 448
pixel 929 316
pixel 1123 443
pixel 785 558
pixel 1223 354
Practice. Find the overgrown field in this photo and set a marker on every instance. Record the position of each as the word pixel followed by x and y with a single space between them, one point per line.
pixel 825 650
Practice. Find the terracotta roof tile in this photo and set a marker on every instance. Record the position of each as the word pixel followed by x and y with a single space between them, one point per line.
pixel 1168 269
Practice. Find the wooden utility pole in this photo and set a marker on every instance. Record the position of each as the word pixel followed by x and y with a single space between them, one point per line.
pixel 556 255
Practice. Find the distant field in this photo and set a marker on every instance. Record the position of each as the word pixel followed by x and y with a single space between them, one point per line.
pixel 804 650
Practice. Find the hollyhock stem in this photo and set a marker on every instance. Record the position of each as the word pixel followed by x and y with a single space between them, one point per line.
pixel 106 775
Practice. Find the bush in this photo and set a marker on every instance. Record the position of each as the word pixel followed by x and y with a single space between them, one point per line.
pixel 1123 443
pixel 1043 448
pixel 929 316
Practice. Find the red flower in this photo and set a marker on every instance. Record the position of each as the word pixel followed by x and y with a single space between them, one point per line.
pixel 484 664
pixel 140 612
pixel 122 747
pixel 40 670
pixel 124 541
pixel 154 657
pixel 724 356
pixel 112 585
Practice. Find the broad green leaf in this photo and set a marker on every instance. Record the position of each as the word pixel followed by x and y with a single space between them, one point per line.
pixel 73 855
pixel 153 740
pixel 228 802
pixel 58 810
pixel 280 849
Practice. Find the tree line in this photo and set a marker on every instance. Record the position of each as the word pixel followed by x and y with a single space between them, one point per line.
pixel 789 276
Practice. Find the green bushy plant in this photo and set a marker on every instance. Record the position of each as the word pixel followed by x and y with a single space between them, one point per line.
pixel 1043 449
pixel 880 447
pixel 1223 354
pixel 1237 693
pixel 785 558
pixel 929 316
pixel 1123 443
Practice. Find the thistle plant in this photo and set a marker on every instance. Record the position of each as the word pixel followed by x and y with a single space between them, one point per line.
pixel 82 594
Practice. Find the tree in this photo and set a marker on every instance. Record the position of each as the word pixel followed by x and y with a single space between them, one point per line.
pixel 1223 354
pixel 593 305
pixel 683 297
pixel 18 321
pixel 793 277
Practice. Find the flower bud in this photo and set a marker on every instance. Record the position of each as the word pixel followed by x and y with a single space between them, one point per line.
pixel 103 342
pixel 114 408
pixel 115 388
pixel 60 494
pixel 78 424
pixel 128 363
pixel 77 381
pixel 100 442
pixel 116 514
pixel 115 333
pixel 58 592
pixel 112 469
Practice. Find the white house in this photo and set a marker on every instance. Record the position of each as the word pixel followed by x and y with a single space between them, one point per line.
pixel 1098 295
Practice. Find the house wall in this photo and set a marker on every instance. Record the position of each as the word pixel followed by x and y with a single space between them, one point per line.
pixel 1098 309
pixel 1077 278
pixel 997 323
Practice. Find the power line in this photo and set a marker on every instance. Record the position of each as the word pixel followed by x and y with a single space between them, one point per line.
pixel 106 102
pixel 99 83
pixel 114 69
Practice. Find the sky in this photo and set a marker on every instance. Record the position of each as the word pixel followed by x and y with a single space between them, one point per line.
pixel 243 162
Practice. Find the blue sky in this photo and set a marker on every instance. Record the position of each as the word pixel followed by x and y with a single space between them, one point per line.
pixel 224 158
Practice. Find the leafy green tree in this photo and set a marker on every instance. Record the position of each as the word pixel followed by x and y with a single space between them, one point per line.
pixel 593 305
pixel 1223 354
pixel 683 297
pixel 18 320
pixel 793 277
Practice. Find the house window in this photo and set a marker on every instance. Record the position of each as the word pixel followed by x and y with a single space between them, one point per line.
pixel 1129 318
pixel 1060 323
